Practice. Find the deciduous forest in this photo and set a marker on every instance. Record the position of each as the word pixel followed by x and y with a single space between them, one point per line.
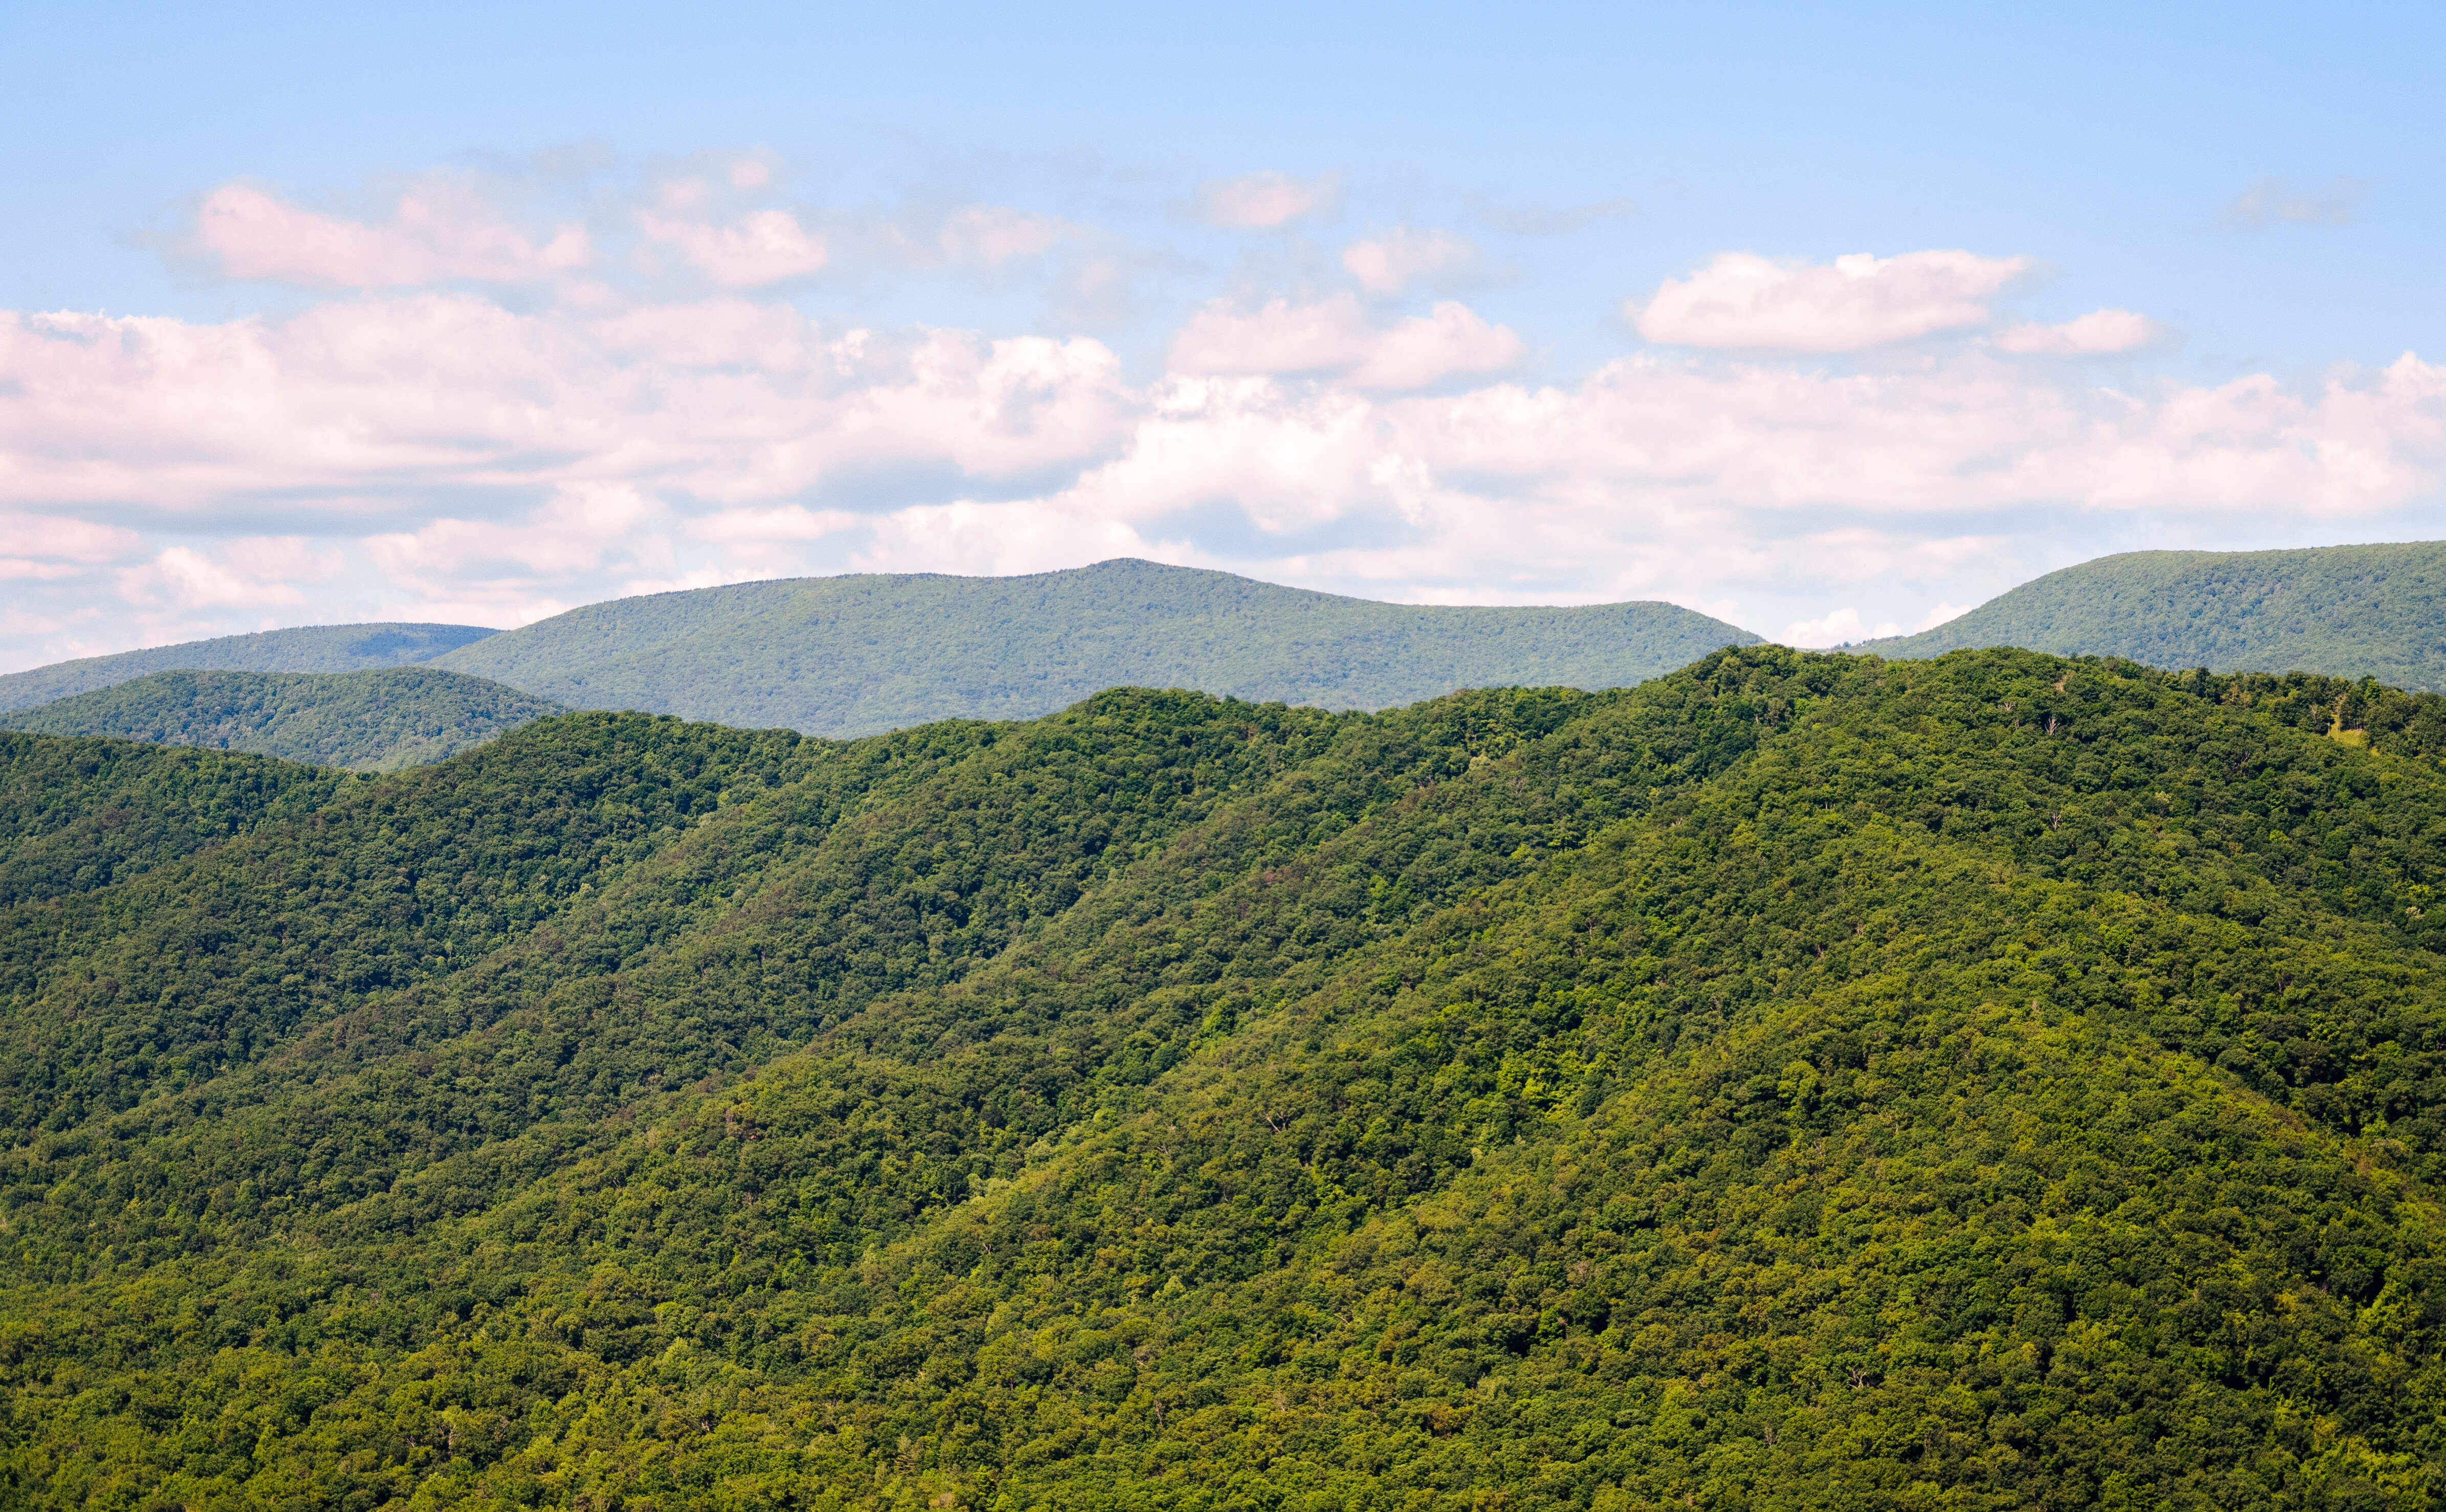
pixel 1797 1081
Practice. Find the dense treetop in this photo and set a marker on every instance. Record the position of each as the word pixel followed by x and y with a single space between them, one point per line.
pixel 2346 611
pixel 1801 1081
pixel 856 654
pixel 306 648
pixel 366 721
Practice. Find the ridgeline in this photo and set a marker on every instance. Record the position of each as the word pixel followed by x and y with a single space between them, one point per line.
pixel 369 721
pixel 308 648
pixel 2342 611
pixel 860 654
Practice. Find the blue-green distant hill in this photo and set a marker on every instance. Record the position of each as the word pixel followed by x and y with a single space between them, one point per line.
pixel 371 721
pixel 307 648
pixel 2342 611
pixel 856 654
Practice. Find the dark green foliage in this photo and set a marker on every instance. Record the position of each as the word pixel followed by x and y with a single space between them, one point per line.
pixel 1797 1081
pixel 849 656
pixel 370 721
pixel 306 648
pixel 81 814
pixel 2348 611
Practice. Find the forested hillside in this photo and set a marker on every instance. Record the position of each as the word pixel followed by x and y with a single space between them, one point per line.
pixel 307 648
pixel 2344 611
pixel 858 654
pixel 1801 1081
pixel 369 721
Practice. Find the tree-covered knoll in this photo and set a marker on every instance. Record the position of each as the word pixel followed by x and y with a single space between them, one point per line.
pixel 854 655
pixel 376 721
pixel 303 648
pixel 2344 611
pixel 1798 1082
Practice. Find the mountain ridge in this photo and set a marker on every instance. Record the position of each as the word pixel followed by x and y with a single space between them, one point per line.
pixel 373 721
pixel 300 649
pixel 2374 611
pixel 851 656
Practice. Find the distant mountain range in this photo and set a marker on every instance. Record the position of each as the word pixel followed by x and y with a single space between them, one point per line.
pixel 307 648
pixel 2343 610
pixel 852 656
pixel 370 721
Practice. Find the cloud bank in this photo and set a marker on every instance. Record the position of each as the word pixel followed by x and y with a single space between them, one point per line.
pixel 482 423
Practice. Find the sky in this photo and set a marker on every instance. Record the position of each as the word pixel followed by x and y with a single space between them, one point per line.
pixel 1829 322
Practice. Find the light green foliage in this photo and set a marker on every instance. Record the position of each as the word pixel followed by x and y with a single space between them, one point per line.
pixel 856 654
pixel 2344 611
pixel 369 721
pixel 306 648
pixel 1797 1081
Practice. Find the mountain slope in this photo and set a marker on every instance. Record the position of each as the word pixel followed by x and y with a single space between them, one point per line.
pixel 1797 1081
pixel 852 656
pixel 2344 611
pixel 307 648
pixel 367 721
pixel 76 815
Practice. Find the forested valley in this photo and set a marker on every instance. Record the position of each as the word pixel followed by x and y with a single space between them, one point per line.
pixel 1797 1081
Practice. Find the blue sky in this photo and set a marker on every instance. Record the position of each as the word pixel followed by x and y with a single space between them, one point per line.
pixel 435 311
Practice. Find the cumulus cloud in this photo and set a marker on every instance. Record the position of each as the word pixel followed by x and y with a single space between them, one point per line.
pixel 2275 202
pixel 441 455
pixel 438 232
pixel 2099 332
pixel 763 247
pixel 254 573
pixel 445 391
pixel 1742 300
pixel 1842 626
pixel 1386 266
pixel 1448 341
pixel 1335 335
pixel 1260 202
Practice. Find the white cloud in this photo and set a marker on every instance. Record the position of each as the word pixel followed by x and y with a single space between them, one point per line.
pixel 2097 333
pixel 1335 335
pixel 1386 266
pixel 1261 201
pixel 1742 300
pixel 255 572
pixel 53 538
pixel 2275 202
pixel 1278 337
pixel 464 459
pixel 1943 612
pixel 995 539
pixel 1840 628
pixel 443 391
pixel 438 232
pixel 763 247
pixel 1450 340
